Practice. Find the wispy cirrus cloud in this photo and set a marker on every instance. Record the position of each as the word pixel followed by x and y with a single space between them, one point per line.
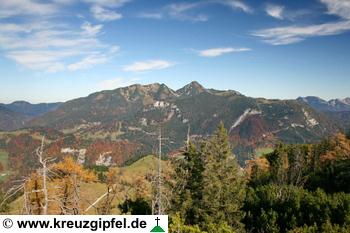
pixel 105 10
pixel 93 60
pixel 148 15
pixel 181 11
pixel 108 3
pixel 143 66
pixel 338 7
pixel 178 11
pixel 237 5
pixel 88 62
pixel 215 52
pixel 188 11
pixel 26 7
pixel 41 60
pixel 103 14
pixel 275 11
pixel 91 30
pixel 296 33
pixel 42 41
pixel 50 47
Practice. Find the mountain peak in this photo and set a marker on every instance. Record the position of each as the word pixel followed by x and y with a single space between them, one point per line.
pixel 311 99
pixel 191 89
pixel 154 90
pixel 195 84
pixel 347 100
pixel 333 105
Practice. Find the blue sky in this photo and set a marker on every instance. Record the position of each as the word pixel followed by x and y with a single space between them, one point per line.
pixel 63 49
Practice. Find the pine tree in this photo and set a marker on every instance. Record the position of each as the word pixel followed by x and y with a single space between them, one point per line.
pixel 223 184
pixel 189 179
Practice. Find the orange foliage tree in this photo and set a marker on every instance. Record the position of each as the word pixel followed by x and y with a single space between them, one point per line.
pixel 67 181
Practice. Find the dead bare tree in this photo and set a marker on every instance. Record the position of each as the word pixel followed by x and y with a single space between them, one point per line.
pixel 43 163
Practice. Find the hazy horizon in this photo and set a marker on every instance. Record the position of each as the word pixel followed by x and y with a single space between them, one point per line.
pixel 19 100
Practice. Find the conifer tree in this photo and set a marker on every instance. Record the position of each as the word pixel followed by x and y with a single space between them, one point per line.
pixel 190 179
pixel 223 185
pixel 211 188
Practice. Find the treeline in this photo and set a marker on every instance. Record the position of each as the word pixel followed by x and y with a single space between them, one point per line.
pixel 300 188
pixel 294 189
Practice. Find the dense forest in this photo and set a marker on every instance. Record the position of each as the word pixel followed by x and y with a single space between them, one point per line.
pixel 295 188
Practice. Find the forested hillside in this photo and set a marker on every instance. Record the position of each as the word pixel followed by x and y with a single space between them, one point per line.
pixel 135 112
pixel 294 188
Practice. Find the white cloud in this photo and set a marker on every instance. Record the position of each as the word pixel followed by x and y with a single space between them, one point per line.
pixel 47 47
pixel 32 56
pixel 49 61
pixel 93 60
pixel 275 11
pixel 103 14
pixel 91 30
pixel 149 65
pixel 108 3
pixel 46 38
pixel 156 15
pixel 88 62
pixel 186 11
pixel 237 5
pixel 178 11
pixel 111 84
pixel 338 7
pixel 104 10
pixel 11 8
pixel 293 34
pixel 14 28
pixel 215 52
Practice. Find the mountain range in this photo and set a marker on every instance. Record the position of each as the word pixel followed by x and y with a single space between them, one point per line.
pixel 15 115
pixel 117 126
pixel 337 109
pixel 334 105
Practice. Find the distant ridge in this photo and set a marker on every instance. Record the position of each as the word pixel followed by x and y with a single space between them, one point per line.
pixel 337 109
pixel 134 113
pixel 30 110
pixel 14 116
pixel 334 105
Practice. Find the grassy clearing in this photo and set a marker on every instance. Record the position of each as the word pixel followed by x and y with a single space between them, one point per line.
pixel 142 166
pixel 262 151
pixel 101 135
pixel 4 162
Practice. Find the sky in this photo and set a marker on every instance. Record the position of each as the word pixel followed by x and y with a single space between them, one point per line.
pixel 57 50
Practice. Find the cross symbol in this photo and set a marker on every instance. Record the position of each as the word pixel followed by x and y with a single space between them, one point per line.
pixel 157 219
